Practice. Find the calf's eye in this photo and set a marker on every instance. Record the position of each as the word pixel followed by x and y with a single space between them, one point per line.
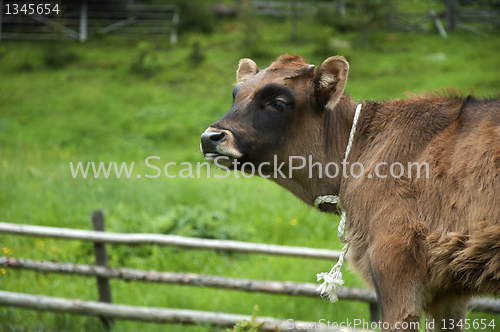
pixel 278 104
pixel 236 90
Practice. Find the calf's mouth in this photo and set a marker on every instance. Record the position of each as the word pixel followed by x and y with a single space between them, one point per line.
pixel 217 143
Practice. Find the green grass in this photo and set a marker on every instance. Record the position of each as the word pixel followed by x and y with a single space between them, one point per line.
pixel 106 104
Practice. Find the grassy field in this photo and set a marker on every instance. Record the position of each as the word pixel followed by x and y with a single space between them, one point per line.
pixel 116 101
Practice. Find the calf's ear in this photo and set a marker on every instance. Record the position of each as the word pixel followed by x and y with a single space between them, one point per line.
pixel 329 81
pixel 246 69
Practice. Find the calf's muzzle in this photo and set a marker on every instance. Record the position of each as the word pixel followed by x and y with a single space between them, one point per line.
pixel 209 141
pixel 219 142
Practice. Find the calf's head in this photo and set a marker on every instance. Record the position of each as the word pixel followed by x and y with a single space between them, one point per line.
pixel 289 109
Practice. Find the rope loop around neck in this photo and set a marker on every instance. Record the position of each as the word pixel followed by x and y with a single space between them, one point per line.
pixel 334 199
pixel 333 279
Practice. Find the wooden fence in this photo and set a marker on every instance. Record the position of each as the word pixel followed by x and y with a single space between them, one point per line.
pixel 295 8
pixel 103 273
pixel 456 14
pixel 79 20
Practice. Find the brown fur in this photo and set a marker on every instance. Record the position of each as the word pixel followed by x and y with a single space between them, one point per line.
pixel 425 244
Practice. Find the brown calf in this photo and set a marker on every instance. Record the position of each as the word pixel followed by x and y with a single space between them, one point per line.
pixel 426 243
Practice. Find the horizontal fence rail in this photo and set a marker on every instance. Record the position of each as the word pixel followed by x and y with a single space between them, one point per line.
pixel 167 240
pixel 157 315
pixel 298 8
pixel 249 285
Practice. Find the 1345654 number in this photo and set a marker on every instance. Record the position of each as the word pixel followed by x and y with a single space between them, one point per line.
pixel 466 324
pixel 30 9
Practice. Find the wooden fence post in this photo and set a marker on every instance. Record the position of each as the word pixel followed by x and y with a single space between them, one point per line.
pixel 390 16
pixel 451 15
pixel 175 23
pixel 341 8
pixel 374 313
pixel 293 19
pixel 1 13
pixel 83 21
pixel 101 259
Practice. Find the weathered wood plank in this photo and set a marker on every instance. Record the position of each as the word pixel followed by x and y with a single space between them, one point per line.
pixel 248 285
pixel 157 315
pixel 167 240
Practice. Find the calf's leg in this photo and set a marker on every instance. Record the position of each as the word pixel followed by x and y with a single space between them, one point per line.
pixel 447 313
pixel 398 269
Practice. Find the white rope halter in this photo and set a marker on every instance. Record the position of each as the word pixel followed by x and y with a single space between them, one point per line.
pixel 333 279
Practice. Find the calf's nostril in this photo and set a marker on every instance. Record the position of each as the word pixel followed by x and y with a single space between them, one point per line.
pixel 210 139
pixel 212 136
pixel 217 136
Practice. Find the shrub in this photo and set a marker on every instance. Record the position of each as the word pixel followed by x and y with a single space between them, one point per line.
pixel 55 56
